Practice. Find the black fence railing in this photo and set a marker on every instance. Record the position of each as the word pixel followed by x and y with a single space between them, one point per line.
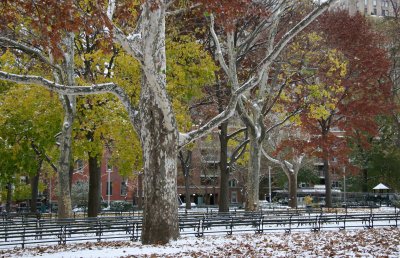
pixel 31 230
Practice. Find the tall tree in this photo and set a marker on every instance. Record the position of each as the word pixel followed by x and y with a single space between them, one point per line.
pixel 249 40
pixel 348 98
pixel 49 39
pixel 27 130
pixel 154 118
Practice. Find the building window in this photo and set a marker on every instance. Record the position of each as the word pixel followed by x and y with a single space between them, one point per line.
pixel 336 184
pixel 79 165
pixel 365 2
pixel 234 197
pixel 233 183
pixel 374 3
pixel 124 188
pixel 208 180
pixel 109 188
pixel 375 12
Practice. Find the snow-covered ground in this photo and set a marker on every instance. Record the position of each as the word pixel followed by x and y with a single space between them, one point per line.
pixel 383 242
pixel 330 242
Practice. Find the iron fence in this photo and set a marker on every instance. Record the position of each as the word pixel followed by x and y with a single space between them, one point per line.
pixel 32 230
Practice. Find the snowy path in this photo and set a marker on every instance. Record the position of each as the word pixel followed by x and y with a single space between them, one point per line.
pixel 383 242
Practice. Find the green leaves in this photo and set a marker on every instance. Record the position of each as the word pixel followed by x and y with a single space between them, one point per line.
pixel 189 69
pixel 27 114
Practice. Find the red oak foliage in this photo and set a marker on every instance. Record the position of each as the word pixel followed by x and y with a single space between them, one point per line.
pixel 50 20
pixel 367 87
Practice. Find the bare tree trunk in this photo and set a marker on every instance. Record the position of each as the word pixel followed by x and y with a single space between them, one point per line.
pixel 188 204
pixel 9 196
pixel 159 144
pixel 64 187
pixel 69 105
pixel 292 189
pixel 158 133
pixel 185 164
pixel 327 175
pixel 253 175
pixel 34 182
pixel 223 166
pixel 364 184
pixel 94 186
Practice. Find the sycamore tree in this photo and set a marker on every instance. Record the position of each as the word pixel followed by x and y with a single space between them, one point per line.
pixel 287 157
pixel 248 39
pixel 153 117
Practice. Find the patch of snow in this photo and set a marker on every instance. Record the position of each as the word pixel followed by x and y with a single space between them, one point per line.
pixel 353 243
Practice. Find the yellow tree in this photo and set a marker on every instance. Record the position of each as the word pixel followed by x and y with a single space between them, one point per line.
pixel 154 118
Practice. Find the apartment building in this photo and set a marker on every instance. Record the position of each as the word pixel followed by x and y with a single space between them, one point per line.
pixel 378 8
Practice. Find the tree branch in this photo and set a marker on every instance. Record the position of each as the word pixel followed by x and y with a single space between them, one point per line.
pixel 236 154
pixel 46 157
pixel 30 50
pixel 77 90
pixel 185 138
pixel 276 161
pixel 283 121
pixel 182 10
pixel 220 56
pixel 127 42
pixel 236 133
pixel 294 31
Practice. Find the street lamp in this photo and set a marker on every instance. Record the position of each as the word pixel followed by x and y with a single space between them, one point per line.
pixel 344 184
pixel 269 183
pixel 108 187
pixel 50 208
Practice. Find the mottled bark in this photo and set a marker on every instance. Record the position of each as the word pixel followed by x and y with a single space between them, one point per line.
pixel 159 144
pixel 158 134
pixel 94 186
pixel 69 106
pixel 64 187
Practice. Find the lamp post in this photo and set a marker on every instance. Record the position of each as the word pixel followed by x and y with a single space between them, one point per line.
pixel 50 208
pixel 108 187
pixel 269 184
pixel 344 184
